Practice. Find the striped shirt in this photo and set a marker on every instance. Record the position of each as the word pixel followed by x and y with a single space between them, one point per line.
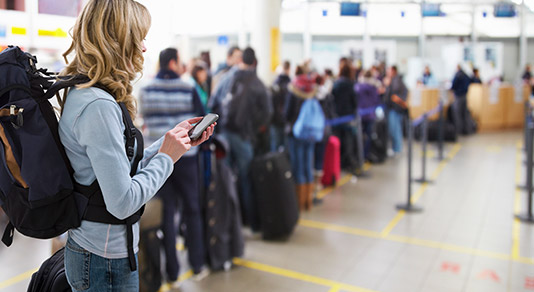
pixel 165 102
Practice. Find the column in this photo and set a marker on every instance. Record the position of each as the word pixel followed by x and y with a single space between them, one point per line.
pixel 422 35
pixel 265 36
pixel 523 38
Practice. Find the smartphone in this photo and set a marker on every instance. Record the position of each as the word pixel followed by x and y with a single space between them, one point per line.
pixel 200 127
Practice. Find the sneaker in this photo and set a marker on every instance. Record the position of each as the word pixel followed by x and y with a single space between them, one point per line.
pixel 175 284
pixel 204 272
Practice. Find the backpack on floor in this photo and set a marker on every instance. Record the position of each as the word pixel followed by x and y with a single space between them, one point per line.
pixel 37 188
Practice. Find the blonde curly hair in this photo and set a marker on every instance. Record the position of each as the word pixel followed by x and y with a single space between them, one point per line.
pixel 107 42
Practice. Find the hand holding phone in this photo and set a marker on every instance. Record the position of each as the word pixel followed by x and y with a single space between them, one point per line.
pixel 200 127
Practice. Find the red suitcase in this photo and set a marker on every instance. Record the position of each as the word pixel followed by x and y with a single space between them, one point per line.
pixel 331 164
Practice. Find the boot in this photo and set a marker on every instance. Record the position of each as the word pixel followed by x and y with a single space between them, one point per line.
pixel 308 196
pixel 301 195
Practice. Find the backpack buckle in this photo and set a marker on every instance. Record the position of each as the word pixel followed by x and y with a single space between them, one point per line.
pixel 130 151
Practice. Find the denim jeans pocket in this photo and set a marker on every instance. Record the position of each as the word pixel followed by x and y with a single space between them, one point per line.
pixel 77 265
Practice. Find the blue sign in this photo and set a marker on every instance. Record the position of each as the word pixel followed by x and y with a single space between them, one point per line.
pixel 350 9
pixel 325 12
pixel 403 13
pixel 222 40
pixel 3 31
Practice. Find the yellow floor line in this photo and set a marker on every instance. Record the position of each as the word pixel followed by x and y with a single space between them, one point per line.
pixel 167 287
pixel 421 190
pixel 345 179
pixel 17 279
pixel 393 223
pixel 517 206
pixel 299 276
pixel 334 289
pixel 413 241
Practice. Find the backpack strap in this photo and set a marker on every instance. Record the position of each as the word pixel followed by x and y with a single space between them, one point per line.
pixel 96 209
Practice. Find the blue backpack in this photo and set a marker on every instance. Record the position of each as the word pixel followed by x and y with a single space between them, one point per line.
pixel 310 123
pixel 37 188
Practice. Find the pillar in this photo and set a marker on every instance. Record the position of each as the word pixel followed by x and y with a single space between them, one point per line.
pixel 265 36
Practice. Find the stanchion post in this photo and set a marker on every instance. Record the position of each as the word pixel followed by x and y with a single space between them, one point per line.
pixel 424 143
pixel 359 136
pixel 441 131
pixel 528 216
pixel 409 207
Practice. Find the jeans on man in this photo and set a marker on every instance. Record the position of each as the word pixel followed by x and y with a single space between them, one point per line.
pixel 239 158
pixel 395 129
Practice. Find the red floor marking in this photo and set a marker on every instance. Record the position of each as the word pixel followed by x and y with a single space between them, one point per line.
pixel 489 274
pixel 529 283
pixel 453 267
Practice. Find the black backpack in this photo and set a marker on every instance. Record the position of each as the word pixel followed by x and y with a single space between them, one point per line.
pixel 51 275
pixel 37 189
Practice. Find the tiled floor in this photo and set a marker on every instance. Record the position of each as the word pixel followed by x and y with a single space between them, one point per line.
pixel 465 239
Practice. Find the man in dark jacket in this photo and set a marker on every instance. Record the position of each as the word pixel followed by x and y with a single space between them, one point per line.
pixel 396 95
pixel 460 85
pixel 248 111
pixel 279 98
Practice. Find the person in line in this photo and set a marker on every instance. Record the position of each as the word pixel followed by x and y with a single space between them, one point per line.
pixel 279 98
pixel 206 58
pixel 476 77
pixel 396 95
pixel 233 58
pixel 460 85
pixel 91 128
pixel 369 98
pixel 249 111
pixel 301 152
pixel 223 87
pixel 164 101
pixel 199 76
pixel 346 104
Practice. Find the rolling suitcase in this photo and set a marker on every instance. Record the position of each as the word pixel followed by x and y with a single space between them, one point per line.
pixel 274 189
pixel 332 163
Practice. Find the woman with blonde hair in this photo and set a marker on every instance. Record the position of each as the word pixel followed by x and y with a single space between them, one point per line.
pixel 108 48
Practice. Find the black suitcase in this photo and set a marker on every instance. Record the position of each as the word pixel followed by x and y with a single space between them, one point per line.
pixel 449 132
pixel 379 142
pixel 274 189
pixel 51 275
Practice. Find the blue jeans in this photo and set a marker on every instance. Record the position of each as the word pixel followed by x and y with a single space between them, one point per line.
pixel 301 155
pixel 319 153
pixel 91 273
pixel 278 138
pixel 239 158
pixel 395 130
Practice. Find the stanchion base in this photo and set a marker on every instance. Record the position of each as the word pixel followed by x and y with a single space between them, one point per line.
pixel 423 181
pixel 409 208
pixel 525 218
pixel 362 174
pixel 522 187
